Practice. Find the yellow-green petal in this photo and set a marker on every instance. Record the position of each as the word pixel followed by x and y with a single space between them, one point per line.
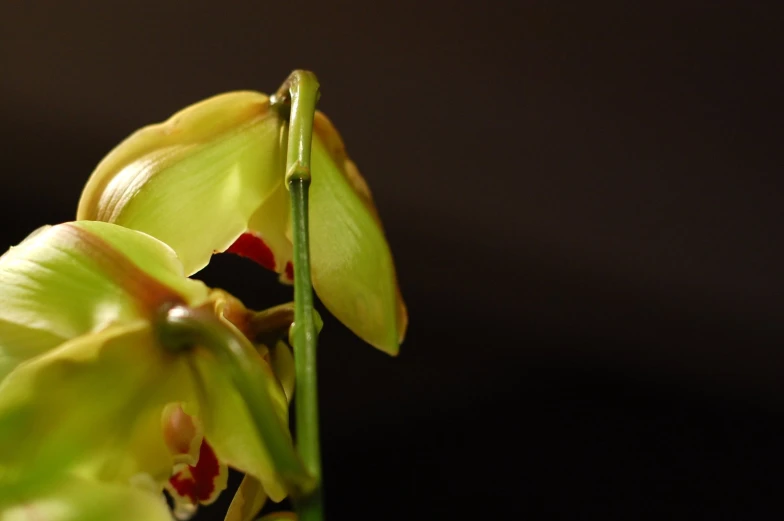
pixel 282 362
pixel 248 500
pixel 67 280
pixel 79 499
pixel 228 425
pixel 271 224
pixel 93 404
pixel 353 271
pixel 194 180
pixel 154 257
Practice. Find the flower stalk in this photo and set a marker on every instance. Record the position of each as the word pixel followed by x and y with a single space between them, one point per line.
pixel 301 91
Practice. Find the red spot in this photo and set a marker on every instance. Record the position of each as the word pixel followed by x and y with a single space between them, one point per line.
pixel 197 483
pixel 290 270
pixel 255 249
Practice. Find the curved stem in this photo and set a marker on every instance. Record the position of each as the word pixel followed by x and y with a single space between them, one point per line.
pixel 302 90
pixel 183 327
pixel 271 320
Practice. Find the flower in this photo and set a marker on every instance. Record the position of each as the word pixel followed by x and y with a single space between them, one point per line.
pixel 88 390
pixel 199 475
pixel 211 179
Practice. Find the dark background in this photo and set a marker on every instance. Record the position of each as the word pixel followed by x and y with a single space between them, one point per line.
pixel 585 205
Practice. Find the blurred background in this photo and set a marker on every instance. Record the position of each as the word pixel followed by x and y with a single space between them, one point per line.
pixel 585 205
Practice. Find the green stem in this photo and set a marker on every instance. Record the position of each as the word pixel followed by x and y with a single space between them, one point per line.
pixel 182 328
pixel 302 90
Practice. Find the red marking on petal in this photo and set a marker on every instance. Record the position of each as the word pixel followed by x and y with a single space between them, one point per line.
pixel 198 483
pixel 290 270
pixel 183 485
pixel 255 249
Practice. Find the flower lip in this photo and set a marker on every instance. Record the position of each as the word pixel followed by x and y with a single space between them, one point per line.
pixel 201 483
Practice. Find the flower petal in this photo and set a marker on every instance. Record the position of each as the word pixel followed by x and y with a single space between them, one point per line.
pixel 228 425
pixel 94 403
pixel 269 225
pixel 79 499
pixel 154 258
pixel 67 280
pixel 248 501
pixel 282 362
pixel 194 180
pixel 353 271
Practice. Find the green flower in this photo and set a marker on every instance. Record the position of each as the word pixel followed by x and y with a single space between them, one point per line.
pixel 88 390
pixel 211 179
pixel 199 475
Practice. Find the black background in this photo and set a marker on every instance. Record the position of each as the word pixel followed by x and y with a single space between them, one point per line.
pixel 585 209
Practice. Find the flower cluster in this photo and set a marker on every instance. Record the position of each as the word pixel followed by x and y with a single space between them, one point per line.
pixel 98 414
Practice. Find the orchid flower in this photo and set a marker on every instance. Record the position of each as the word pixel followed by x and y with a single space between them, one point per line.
pixel 199 475
pixel 102 382
pixel 211 179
